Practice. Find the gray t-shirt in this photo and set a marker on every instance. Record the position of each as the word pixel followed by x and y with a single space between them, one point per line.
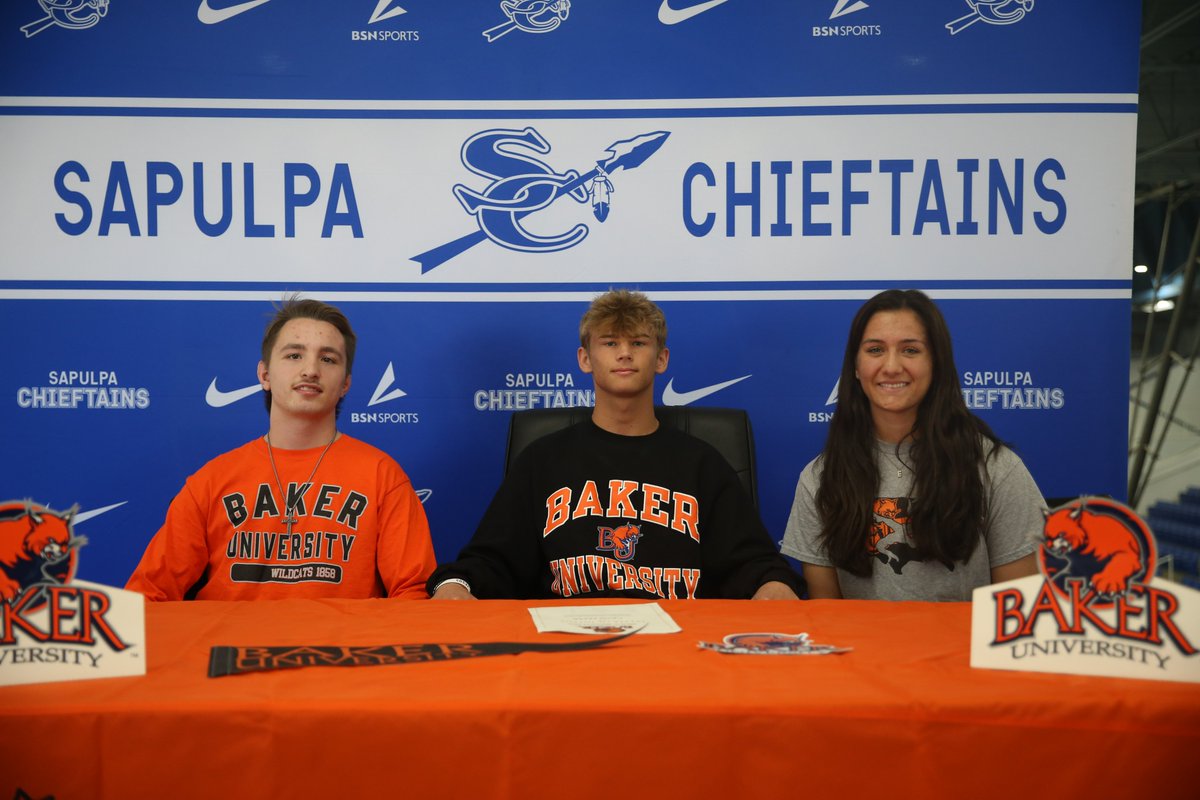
pixel 1013 530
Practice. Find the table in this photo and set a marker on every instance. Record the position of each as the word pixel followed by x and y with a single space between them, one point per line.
pixel 903 715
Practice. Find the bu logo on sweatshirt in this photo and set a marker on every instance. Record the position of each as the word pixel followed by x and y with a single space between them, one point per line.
pixel 620 541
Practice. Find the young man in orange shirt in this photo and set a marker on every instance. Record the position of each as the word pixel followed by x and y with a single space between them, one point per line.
pixel 304 511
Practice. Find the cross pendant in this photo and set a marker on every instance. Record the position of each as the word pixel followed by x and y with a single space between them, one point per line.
pixel 290 520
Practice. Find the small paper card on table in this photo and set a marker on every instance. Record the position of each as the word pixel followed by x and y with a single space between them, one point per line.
pixel 603 620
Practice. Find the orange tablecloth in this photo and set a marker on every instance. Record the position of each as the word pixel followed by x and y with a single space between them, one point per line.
pixel 652 715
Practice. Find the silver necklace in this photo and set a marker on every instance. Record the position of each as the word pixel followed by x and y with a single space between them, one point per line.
pixel 289 509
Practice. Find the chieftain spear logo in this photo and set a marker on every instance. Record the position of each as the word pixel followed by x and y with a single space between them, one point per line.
pixel 71 14
pixel 993 12
pixel 530 16
pixel 522 184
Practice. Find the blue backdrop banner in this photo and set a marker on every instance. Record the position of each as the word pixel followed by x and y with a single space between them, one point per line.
pixel 461 178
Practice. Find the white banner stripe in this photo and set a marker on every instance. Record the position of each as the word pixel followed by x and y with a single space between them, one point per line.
pixel 559 105
pixel 554 297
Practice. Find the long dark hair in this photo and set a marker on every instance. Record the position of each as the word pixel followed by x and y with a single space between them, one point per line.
pixel 947 517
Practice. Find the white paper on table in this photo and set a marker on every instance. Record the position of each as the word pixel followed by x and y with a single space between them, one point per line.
pixel 603 620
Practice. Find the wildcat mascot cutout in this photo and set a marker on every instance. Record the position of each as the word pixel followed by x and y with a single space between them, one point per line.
pixel 37 545
pixel 1101 535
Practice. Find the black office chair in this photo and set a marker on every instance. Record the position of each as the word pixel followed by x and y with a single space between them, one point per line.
pixel 726 429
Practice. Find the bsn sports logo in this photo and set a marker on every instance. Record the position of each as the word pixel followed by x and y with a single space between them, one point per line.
pixel 620 541
pixel 385 10
pixel 386 391
pixel 826 416
pixel 37 547
pixel 840 9
pixel 993 12
pixel 530 16
pixel 73 14
pixel 382 12
pixel 521 184
pixel 844 7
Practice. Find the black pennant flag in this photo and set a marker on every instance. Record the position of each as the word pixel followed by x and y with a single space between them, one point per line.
pixel 224 660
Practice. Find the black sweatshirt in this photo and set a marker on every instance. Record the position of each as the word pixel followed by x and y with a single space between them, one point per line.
pixel 585 512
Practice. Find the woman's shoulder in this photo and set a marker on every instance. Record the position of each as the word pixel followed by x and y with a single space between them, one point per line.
pixel 1000 461
pixel 811 473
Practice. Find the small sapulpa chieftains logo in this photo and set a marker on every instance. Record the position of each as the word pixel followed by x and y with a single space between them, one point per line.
pixel 74 14
pixel 520 184
pixel 993 12
pixel 530 16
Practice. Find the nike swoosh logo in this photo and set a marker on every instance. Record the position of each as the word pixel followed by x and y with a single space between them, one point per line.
pixel 671 397
pixel 673 16
pixel 218 399
pixel 84 516
pixel 211 16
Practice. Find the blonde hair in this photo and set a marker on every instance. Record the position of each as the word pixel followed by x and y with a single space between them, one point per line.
pixel 623 311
